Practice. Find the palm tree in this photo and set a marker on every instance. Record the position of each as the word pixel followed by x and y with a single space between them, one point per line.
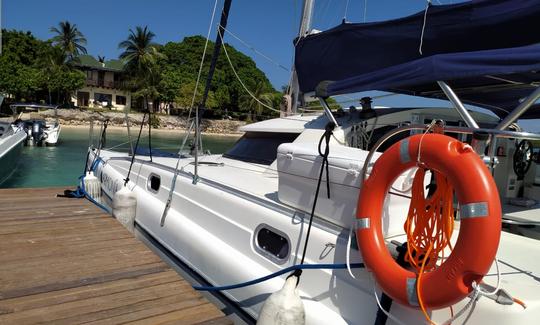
pixel 69 39
pixel 140 53
pixel 141 56
pixel 252 102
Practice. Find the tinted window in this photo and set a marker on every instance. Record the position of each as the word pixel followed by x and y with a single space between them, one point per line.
pixel 259 147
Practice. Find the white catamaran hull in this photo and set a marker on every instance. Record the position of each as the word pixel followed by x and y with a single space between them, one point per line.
pixel 212 227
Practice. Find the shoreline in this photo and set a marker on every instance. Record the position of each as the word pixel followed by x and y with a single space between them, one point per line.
pixel 73 118
pixel 178 131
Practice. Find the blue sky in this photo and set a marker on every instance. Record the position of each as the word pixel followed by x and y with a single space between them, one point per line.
pixel 267 25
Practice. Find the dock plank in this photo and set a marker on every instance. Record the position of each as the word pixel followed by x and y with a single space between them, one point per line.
pixel 63 261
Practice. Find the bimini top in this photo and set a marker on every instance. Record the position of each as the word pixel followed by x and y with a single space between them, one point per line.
pixel 485 50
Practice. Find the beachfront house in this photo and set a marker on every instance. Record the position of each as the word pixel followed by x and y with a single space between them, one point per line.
pixel 102 86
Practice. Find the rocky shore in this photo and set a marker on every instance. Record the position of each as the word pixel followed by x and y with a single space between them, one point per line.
pixel 75 117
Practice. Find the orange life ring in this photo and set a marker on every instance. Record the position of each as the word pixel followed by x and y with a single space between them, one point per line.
pixel 479 232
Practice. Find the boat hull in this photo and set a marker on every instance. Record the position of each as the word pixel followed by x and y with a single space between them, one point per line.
pixel 212 228
pixel 10 154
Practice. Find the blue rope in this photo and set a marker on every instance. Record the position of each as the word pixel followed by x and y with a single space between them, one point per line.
pixel 278 273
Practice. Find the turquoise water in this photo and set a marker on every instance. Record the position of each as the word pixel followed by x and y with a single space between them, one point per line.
pixel 63 164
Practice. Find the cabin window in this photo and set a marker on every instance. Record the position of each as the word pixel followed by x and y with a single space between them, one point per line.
pixel 259 147
pixel 272 243
pixel 154 182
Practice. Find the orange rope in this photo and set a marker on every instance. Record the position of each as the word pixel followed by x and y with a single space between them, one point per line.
pixel 429 226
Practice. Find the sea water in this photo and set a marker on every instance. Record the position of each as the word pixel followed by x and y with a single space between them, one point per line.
pixel 61 165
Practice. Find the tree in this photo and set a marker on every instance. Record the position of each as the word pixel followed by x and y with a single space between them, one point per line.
pixel 256 101
pixel 69 39
pixel 182 66
pixel 141 56
pixel 19 68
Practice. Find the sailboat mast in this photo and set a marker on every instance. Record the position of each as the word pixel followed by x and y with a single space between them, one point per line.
pixel 305 26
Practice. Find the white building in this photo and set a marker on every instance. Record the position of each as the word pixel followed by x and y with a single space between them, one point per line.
pixel 102 88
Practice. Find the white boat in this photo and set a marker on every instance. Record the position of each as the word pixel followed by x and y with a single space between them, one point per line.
pixel 38 130
pixel 245 214
pixel 11 143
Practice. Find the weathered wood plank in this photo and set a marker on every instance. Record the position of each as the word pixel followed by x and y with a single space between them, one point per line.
pixel 63 261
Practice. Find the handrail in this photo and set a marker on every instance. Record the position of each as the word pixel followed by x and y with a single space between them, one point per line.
pixel 454 129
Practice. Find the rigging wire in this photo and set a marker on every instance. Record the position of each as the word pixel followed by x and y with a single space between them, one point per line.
pixel 202 59
pixel 175 175
pixel 257 51
pixel 240 80
pixel 126 180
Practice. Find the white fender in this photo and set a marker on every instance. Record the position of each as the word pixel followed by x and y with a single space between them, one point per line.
pixel 92 186
pixel 125 207
pixel 284 307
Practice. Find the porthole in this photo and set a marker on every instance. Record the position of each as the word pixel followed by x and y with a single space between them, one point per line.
pixel 154 182
pixel 272 243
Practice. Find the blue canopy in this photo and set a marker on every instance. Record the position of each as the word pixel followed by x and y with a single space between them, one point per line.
pixel 485 50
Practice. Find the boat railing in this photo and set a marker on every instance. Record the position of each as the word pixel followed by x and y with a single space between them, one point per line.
pixel 493 135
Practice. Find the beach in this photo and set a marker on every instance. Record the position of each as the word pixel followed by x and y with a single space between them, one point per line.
pixel 80 118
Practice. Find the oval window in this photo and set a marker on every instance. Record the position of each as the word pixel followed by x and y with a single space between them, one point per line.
pixel 154 182
pixel 272 243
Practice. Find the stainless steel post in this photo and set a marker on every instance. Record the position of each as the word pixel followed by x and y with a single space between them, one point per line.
pixel 518 111
pixel 458 105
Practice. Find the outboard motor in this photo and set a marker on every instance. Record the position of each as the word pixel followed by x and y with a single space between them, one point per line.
pixel 37 132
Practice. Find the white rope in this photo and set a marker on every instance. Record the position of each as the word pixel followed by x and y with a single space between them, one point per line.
pixel 365 10
pixel 348 256
pixel 257 51
pixel 430 126
pixel 240 80
pixel 346 10
pixel 392 317
pixel 423 27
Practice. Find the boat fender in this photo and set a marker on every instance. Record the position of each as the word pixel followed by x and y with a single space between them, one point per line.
pixel 284 306
pixel 92 185
pixel 125 207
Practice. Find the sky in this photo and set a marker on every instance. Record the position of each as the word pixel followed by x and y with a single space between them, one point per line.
pixel 266 25
pixel 269 26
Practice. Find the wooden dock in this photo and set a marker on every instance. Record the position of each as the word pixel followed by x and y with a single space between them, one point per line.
pixel 64 261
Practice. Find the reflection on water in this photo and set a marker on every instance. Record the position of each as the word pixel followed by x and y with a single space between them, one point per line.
pixel 63 164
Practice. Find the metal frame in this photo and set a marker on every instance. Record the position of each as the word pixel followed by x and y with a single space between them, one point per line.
pixel 469 120
pixel 455 129
pixel 519 110
pixel 328 111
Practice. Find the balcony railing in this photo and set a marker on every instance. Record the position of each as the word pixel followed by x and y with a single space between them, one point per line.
pixel 104 83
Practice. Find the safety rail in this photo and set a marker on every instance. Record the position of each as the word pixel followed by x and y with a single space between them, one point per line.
pixel 494 133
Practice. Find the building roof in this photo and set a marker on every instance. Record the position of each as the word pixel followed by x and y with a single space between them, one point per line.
pixel 89 61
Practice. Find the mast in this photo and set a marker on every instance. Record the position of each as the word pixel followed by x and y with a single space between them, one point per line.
pixel 305 26
pixel 215 55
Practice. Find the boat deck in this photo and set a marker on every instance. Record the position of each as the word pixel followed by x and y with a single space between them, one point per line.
pixel 64 261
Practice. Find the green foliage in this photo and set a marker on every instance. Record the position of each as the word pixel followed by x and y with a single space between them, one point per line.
pixel 30 69
pixel 180 70
pixel 45 71
pixel 69 39
pixel 316 105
